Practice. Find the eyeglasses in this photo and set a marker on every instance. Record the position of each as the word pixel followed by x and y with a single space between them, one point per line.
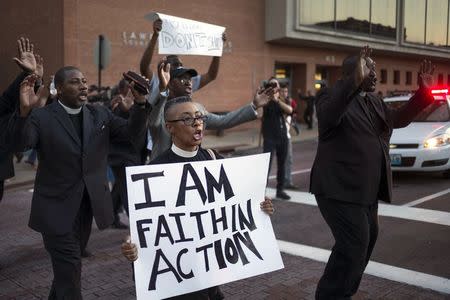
pixel 185 81
pixel 189 121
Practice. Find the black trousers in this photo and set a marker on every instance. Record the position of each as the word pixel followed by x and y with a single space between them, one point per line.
pixel 65 253
pixel 119 191
pixel 280 149
pixel 355 230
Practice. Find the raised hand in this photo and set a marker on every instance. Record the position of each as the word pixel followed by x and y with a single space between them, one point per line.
pixel 425 77
pixel 25 60
pixel 39 65
pixel 28 98
pixel 224 37
pixel 157 26
pixel 263 96
pixel 163 74
pixel 362 71
pixel 127 101
pixel 138 97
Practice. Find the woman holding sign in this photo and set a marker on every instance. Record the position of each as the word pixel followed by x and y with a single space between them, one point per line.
pixel 184 121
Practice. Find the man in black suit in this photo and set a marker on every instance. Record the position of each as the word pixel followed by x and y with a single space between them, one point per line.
pixel 29 63
pixel 72 141
pixel 351 171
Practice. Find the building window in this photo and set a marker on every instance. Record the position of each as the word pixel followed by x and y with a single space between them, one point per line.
pixel 383 76
pixel 366 17
pixel 317 12
pixel 440 79
pixel 408 78
pixel 353 15
pixel 427 22
pixel 383 18
pixel 396 77
pixel 415 21
pixel 437 12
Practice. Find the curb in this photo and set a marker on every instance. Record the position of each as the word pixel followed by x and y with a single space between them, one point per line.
pixel 14 185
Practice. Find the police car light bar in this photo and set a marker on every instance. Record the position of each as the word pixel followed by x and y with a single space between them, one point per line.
pixel 439 91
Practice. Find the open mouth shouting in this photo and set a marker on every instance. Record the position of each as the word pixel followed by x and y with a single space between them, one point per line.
pixel 198 135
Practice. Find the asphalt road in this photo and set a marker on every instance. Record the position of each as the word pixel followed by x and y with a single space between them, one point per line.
pixel 403 242
pixel 410 261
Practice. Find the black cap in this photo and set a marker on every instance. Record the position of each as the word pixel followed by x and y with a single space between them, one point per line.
pixel 174 73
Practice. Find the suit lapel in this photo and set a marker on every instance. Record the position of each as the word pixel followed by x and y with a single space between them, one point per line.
pixel 365 110
pixel 88 125
pixel 378 106
pixel 63 118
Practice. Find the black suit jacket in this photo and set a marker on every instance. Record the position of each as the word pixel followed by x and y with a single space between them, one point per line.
pixel 352 161
pixel 9 103
pixel 68 166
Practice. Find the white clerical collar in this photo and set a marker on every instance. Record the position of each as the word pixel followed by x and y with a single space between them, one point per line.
pixel 362 94
pixel 183 153
pixel 71 111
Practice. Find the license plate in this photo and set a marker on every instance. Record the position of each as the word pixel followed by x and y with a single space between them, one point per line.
pixel 396 159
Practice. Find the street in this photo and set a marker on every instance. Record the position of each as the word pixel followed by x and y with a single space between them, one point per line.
pixel 410 261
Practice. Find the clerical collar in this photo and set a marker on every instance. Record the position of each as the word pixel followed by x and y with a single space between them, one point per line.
pixel 362 94
pixel 70 111
pixel 183 153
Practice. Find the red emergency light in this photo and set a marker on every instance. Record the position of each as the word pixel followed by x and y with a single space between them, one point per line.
pixel 439 93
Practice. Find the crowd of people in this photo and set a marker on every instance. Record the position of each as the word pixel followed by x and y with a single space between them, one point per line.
pixel 77 141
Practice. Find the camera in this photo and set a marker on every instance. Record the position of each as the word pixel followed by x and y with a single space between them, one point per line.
pixel 140 84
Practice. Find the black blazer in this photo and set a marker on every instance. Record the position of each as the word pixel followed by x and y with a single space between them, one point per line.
pixel 68 166
pixel 350 151
pixel 9 103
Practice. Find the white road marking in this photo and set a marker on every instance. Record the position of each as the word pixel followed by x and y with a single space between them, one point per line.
pixel 386 210
pixel 424 199
pixel 293 173
pixel 415 278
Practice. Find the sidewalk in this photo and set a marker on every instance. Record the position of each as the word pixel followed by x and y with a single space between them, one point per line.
pixel 230 142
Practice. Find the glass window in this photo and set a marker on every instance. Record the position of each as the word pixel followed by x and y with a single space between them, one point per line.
pixel 353 15
pixel 437 11
pixel 317 12
pixel 383 76
pixel 396 77
pixel 438 111
pixel 408 77
pixel 415 21
pixel 448 28
pixel 383 19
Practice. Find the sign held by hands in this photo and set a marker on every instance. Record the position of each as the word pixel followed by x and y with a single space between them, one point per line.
pixel 188 37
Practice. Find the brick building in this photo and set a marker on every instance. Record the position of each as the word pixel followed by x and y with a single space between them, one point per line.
pixel 302 41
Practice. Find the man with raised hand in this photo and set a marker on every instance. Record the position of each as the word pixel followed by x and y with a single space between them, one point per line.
pixel 352 168
pixel 198 81
pixel 30 63
pixel 72 140
pixel 177 83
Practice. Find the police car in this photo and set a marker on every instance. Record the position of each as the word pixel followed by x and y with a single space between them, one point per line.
pixel 424 145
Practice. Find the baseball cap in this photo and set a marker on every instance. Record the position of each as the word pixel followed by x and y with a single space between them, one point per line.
pixel 174 73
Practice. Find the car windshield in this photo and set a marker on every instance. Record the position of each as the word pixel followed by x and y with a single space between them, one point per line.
pixel 438 111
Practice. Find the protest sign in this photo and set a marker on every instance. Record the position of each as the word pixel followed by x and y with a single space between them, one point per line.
pixel 199 224
pixel 188 37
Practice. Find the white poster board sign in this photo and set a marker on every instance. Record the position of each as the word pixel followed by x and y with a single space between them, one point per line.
pixel 188 37
pixel 199 224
